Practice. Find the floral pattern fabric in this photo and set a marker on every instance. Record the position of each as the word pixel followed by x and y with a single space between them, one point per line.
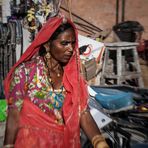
pixel 31 79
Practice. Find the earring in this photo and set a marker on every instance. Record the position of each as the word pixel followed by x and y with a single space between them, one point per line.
pixel 47 48
pixel 48 55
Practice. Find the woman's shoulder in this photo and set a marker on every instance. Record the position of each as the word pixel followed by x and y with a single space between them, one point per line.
pixel 29 65
pixel 33 62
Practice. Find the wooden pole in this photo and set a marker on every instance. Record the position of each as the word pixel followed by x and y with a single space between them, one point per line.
pixel 117 12
pixel 123 10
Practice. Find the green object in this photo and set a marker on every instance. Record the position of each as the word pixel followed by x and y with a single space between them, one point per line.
pixel 3 110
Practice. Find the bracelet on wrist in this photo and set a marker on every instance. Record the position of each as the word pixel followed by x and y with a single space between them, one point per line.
pixel 101 144
pixel 97 138
pixel 98 141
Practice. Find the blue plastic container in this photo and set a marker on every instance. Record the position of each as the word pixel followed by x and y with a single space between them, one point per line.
pixel 112 99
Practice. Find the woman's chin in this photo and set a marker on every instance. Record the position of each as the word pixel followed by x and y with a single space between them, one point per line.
pixel 65 60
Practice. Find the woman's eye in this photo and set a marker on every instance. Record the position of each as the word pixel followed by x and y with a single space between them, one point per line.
pixel 64 43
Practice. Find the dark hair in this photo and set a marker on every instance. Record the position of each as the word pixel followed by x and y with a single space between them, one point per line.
pixel 54 36
pixel 59 30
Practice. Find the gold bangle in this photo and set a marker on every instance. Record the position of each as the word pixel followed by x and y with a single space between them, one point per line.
pixel 97 139
pixel 9 146
pixel 101 144
pixel 96 142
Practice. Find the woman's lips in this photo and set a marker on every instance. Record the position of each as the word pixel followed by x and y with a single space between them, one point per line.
pixel 67 57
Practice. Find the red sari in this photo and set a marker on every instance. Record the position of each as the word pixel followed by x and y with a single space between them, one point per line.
pixel 38 130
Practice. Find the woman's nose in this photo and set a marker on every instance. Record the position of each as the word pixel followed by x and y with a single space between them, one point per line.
pixel 70 47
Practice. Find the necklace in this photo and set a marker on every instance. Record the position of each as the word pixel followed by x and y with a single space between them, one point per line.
pixel 56 95
pixel 56 68
pixel 54 72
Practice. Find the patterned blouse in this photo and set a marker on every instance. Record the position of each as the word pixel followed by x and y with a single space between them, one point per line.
pixel 30 79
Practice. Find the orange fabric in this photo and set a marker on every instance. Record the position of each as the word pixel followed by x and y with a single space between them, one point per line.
pixel 76 97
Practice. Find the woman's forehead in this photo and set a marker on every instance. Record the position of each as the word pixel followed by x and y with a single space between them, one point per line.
pixel 68 33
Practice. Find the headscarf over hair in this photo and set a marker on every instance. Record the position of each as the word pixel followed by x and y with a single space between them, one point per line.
pixel 76 98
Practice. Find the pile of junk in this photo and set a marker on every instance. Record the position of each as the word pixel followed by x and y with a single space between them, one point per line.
pixel 119 109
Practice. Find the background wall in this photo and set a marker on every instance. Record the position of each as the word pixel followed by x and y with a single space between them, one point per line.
pixel 102 13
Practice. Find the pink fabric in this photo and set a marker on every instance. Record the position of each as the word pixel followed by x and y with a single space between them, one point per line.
pixel 76 97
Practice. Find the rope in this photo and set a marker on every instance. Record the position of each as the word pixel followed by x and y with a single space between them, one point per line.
pixel 68 5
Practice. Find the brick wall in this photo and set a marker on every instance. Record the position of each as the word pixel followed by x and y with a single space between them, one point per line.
pixel 102 13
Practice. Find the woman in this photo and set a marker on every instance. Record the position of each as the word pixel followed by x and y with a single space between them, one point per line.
pixel 46 95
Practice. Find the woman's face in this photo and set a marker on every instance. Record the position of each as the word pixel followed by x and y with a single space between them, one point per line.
pixel 61 49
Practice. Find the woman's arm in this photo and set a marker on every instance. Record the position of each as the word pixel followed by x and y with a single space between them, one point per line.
pixel 92 131
pixel 11 126
pixel 15 101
